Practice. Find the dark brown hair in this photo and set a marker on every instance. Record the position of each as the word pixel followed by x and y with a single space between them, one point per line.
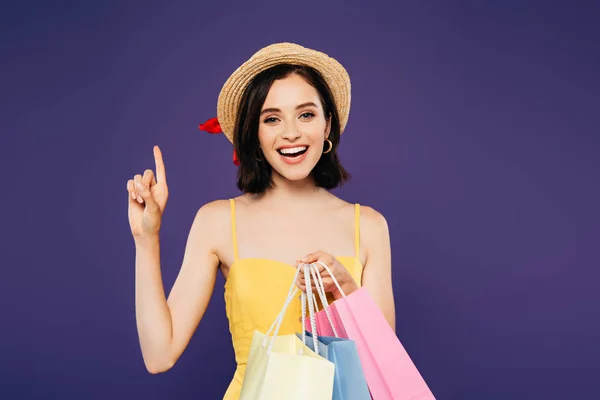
pixel 254 176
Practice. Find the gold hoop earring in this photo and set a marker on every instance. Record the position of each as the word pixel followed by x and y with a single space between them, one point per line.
pixel 330 146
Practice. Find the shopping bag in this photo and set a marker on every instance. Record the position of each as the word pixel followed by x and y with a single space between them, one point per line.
pixel 284 367
pixel 349 381
pixel 389 370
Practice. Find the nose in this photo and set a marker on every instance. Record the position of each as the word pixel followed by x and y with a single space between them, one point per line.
pixel 291 133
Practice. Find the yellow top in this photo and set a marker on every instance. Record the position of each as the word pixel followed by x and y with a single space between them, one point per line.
pixel 255 291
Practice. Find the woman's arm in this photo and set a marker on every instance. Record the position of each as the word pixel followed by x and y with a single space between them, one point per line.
pixel 377 273
pixel 165 327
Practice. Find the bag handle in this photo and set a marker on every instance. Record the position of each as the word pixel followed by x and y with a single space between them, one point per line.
pixel 321 291
pixel 279 319
pixel 305 298
pixel 308 298
pixel 332 277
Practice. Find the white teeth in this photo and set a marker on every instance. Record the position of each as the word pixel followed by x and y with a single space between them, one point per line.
pixel 292 150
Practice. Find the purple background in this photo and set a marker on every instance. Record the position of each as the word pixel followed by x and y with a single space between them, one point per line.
pixel 473 129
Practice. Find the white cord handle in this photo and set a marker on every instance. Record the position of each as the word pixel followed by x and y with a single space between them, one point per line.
pixel 307 297
pixel 279 319
pixel 321 291
pixel 332 277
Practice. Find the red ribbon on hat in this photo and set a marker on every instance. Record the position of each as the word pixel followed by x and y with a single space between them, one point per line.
pixel 212 126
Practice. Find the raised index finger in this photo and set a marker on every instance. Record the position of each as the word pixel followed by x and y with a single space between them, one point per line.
pixel 161 176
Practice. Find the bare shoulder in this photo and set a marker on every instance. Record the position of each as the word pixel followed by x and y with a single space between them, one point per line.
pixel 373 223
pixel 375 235
pixel 212 225
pixel 372 220
pixel 211 215
pixel 214 210
pixel 377 273
pixel 209 222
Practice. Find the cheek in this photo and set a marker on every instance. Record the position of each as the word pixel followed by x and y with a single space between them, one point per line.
pixel 315 132
pixel 265 138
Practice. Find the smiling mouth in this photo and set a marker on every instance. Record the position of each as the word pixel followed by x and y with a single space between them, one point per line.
pixel 292 152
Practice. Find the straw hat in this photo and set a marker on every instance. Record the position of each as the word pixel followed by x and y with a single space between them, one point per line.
pixel 333 72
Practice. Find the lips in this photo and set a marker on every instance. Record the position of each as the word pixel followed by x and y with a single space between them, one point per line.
pixel 291 152
pixel 293 155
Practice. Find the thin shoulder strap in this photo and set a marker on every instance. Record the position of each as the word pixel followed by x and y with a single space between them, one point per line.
pixel 357 230
pixel 233 232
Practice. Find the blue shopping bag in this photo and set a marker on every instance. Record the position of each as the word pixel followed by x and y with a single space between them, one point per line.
pixel 349 381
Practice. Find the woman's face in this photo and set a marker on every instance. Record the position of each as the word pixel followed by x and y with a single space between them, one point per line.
pixel 292 128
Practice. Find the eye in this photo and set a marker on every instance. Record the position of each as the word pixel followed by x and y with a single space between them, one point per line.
pixel 307 115
pixel 270 120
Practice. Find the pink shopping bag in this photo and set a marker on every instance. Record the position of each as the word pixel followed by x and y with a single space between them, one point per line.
pixel 389 370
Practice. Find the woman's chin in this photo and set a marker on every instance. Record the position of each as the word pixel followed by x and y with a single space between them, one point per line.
pixel 294 170
pixel 294 174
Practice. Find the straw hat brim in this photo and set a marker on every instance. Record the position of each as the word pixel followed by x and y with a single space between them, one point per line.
pixel 333 72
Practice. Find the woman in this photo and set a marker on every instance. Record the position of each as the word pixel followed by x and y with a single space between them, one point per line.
pixel 293 105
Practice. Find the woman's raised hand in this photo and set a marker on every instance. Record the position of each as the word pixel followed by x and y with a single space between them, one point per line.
pixel 147 199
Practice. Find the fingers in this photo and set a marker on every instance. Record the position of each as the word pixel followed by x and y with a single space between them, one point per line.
pixel 301 284
pixel 146 195
pixel 161 175
pixel 134 195
pixel 312 257
pixel 131 191
pixel 139 187
pixel 328 283
pixel 317 256
pixel 315 259
pixel 148 179
pixel 320 268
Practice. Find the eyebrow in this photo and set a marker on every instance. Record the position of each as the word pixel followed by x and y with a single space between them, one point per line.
pixel 307 104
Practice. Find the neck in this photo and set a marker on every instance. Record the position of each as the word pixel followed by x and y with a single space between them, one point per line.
pixel 286 190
